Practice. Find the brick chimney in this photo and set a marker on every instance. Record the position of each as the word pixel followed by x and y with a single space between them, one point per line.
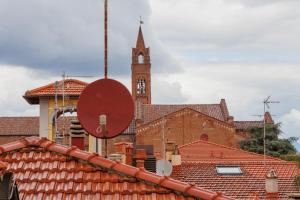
pixel 125 150
pixel 140 157
pixel 230 120
pixel 129 155
pixel 176 157
pixel 268 118
pixel 272 185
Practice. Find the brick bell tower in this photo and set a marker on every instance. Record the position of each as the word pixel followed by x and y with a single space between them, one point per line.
pixel 140 71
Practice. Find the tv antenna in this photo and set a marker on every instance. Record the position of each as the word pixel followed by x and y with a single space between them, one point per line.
pixel 266 103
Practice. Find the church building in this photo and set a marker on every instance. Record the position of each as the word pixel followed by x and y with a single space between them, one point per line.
pixel 155 127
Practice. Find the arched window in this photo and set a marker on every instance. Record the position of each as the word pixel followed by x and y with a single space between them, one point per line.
pixel 141 59
pixel 141 86
pixel 204 137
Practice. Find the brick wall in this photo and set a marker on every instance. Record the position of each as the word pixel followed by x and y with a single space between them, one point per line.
pixel 185 127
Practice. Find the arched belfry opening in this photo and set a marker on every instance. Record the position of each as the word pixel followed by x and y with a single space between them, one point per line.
pixel 141 59
pixel 141 86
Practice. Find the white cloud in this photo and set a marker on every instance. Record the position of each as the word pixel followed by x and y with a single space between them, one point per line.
pixel 14 82
pixel 267 30
pixel 291 122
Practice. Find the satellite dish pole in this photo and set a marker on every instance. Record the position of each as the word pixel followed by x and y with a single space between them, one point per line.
pixel 102 118
pixel 105 107
pixel 266 103
pixel 105 38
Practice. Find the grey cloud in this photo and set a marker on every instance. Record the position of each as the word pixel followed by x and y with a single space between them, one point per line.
pixel 68 35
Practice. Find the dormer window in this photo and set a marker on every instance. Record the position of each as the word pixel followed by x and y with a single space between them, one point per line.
pixel 141 59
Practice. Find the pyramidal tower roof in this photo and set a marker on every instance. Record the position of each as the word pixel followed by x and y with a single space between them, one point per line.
pixel 140 44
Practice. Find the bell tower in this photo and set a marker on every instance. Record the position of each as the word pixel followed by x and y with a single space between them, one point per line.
pixel 140 71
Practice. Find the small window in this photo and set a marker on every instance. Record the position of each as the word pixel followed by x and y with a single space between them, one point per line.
pixel 229 170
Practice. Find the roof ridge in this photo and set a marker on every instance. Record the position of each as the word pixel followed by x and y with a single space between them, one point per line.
pixel 180 110
pixel 192 104
pixel 234 162
pixel 19 117
pixel 52 83
pixel 98 160
pixel 231 148
pixel 249 121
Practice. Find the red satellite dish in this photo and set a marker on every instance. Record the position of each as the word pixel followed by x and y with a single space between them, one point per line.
pixel 105 108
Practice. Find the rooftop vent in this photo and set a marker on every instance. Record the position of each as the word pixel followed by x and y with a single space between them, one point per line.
pixel 229 170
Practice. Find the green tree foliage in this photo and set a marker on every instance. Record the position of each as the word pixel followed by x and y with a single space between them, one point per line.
pixel 275 146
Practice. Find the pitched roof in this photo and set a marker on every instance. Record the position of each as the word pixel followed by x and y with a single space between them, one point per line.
pixel 200 159
pixel 19 126
pixel 72 87
pixel 207 151
pixel 151 112
pixel 244 125
pixel 45 169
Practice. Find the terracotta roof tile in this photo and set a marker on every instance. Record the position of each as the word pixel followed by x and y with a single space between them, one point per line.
pixel 199 167
pixel 19 126
pixel 46 170
pixel 208 151
pixel 151 112
pixel 72 87
pixel 244 125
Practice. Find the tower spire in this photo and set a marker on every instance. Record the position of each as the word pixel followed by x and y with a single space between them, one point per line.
pixel 140 44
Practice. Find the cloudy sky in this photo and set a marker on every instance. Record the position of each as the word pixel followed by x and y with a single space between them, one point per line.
pixel 201 51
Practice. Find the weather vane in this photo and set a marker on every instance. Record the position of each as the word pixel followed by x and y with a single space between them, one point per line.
pixel 141 21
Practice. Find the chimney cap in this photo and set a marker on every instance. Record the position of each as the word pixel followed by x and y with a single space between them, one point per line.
pixel 271 174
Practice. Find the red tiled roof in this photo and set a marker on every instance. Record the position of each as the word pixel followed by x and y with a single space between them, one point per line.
pixel 244 125
pixel 29 126
pixel 199 167
pixel 240 186
pixel 207 151
pixel 19 126
pixel 151 112
pixel 47 170
pixel 72 87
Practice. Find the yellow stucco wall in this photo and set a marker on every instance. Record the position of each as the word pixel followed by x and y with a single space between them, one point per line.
pixel 51 108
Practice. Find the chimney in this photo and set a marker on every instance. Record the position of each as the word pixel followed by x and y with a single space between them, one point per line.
pixel 230 120
pixel 140 157
pixel 121 148
pixel 129 155
pixel 170 148
pixel 77 134
pixel 272 185
pixel 268 118
pixel 176 158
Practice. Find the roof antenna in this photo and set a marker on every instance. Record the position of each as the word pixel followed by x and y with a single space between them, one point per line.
pixel 105 38
pixel 266 103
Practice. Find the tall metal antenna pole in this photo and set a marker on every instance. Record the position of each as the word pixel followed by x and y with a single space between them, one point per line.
pixel 105 38
pixel 56 107
pixel 266 103
pixel 63 101
pixel 105 58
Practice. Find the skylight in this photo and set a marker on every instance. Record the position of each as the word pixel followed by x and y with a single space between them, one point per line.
pixel 229 170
